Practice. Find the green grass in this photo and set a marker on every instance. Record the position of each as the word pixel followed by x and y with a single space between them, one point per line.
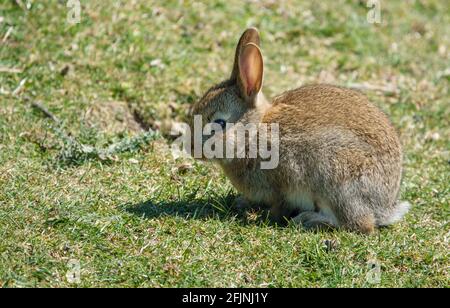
pixel 139 218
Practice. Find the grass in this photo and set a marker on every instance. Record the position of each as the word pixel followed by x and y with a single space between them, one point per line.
pixel 139 218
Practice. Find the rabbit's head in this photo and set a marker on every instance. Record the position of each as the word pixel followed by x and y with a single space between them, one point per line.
pixel 230 101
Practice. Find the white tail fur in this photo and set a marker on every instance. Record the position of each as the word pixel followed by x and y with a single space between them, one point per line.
pixel 398 213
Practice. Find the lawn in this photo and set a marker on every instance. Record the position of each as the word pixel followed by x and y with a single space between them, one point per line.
pixel 90 189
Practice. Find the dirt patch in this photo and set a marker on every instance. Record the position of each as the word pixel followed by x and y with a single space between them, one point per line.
pixel 113 117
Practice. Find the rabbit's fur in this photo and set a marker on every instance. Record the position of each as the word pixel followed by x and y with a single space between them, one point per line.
pixel 340 158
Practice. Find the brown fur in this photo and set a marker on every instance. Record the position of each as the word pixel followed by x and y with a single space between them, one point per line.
pixel 338 152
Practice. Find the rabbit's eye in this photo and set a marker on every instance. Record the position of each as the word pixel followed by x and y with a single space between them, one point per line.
pixel 221 122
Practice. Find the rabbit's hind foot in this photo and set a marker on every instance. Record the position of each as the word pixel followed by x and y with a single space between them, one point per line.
pixel 314 221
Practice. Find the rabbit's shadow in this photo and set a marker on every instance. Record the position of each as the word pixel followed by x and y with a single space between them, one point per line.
pixel 199 209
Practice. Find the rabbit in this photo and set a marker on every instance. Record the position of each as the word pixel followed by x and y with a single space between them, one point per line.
pixel 340 159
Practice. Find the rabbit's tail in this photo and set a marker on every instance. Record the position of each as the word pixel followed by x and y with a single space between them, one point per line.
pixel 397 213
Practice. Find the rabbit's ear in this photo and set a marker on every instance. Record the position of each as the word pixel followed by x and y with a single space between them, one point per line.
pixel 251 69
pixel 250 35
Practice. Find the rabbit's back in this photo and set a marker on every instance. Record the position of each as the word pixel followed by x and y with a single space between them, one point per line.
pixel 333 135
pixel 338 115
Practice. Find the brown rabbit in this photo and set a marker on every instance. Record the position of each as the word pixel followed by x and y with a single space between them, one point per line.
pixel 340 160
